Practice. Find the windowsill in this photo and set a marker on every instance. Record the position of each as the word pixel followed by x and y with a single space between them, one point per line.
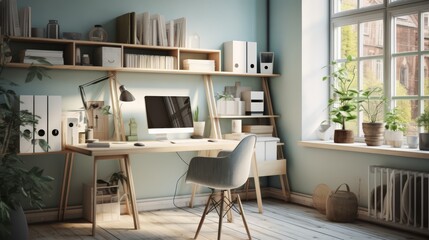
pixel 363 148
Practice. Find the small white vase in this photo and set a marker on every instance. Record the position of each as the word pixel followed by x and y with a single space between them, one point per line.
pixel 199 129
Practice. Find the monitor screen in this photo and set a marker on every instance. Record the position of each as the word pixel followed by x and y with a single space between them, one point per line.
pixel 169 114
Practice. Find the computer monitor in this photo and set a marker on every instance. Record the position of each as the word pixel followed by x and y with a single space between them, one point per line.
pixel 168 115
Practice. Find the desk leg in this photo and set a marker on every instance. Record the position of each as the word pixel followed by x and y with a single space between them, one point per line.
pixel 194 191
pixel 68 168
pixel 132 192
pixel 257 185
pixel 94 197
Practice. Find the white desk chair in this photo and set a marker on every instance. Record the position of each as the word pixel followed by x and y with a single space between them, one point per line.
pixel 227 171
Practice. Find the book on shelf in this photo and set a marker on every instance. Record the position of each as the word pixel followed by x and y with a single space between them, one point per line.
pixel 150 61
pixel 126 28
pixel 29 56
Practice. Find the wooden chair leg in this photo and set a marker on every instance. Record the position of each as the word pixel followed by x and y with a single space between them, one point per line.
pixel 222 199
pixel 203 216
pixel 242 216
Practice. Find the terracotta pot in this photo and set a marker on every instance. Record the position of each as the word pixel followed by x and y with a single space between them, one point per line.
pixel 373 133
pixel 343 136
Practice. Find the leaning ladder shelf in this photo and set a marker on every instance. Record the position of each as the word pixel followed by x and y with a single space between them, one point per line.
pixel 268 168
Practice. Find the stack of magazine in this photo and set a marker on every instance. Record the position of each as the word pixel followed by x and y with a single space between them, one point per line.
pixel 150 29
pixel 14 22
pixel 52 56
pixel 150 61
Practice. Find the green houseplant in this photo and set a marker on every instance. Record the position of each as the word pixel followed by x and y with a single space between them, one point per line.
pixel 423 121
pixel 343 105
pixel 371 102
pixel 18 185
pixel 394 128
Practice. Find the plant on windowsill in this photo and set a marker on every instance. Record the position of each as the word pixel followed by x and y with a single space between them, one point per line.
pixel 371 102
pixel 423 121
pixel 198 125
pixel 394 128
pixel 343 105
pixel 18 185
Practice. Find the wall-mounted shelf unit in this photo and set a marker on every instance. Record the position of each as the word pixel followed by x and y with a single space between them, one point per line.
pixel 68 47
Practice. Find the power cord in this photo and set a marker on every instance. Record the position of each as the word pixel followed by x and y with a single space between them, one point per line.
pixel 177 182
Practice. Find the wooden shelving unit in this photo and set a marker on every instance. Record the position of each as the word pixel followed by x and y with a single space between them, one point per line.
pixel 268 168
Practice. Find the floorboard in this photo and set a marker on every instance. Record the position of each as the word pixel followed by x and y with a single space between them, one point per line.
pixel 280 220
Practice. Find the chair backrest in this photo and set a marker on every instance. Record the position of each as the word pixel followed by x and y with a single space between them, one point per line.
pixel 235 167
pixel 227 171
pixel 240 161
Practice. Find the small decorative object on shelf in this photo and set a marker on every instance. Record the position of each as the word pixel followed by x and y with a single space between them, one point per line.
pixel 98 34
pixel 53 29
pixel 133 130
pixel 423 121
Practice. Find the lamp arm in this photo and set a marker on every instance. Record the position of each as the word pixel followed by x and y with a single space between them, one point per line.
pixel 82 88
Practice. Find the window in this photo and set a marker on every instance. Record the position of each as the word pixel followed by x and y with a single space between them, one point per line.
pixel 389 40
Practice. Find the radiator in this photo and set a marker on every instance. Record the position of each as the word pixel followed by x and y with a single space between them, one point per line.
pixel 399 197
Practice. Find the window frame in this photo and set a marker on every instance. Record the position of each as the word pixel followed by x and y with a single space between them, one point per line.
pixel 385 12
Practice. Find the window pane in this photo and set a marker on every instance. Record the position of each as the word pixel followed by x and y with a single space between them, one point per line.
pixel 344 5
pixel 372 38
pixel 406 28
pixel 426 75
pixel 425 19
pixel 346 41
pixel 367 3
pixel 409 111
pixel 372 73
pixel 406 71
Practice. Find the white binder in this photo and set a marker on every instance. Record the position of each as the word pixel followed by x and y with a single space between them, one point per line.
pixel 41 128
pixel 251 63
pixel 235 56
pixel 70 127
pixel 54 123
pixel 25 146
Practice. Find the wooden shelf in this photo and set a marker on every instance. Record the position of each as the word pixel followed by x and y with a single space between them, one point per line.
pixel 246 116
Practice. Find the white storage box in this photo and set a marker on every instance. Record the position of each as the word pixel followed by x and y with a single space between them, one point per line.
pixel 108 204
pixel 266 148
pixel 254 101
pixel 199 65
pixel 234 108
pixel 107 57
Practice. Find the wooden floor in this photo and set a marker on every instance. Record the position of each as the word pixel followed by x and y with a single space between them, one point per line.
pixel 279 221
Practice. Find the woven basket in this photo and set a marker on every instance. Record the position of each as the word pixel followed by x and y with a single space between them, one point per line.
pixel 342 206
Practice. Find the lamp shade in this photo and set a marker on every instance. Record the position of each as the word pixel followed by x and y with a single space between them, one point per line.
pixel 125 96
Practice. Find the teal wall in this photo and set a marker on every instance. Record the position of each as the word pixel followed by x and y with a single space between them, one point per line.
pixel 155 175
pixel 299 38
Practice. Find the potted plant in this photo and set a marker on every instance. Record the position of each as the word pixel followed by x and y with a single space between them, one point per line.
pixel 17 183
pixel 371 103
pixel 343 105
pixel 115 178
pixel 198 125
pixel 423 121
pixel 394 128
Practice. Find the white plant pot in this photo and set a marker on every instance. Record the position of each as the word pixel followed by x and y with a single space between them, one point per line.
pixel 199 129
pixel 394 138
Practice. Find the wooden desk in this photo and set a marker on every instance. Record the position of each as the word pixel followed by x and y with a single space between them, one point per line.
pixel 121 151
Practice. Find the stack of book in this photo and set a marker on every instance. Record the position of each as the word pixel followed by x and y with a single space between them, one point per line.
pixel 150 61
pixel 32 55
pixel 150 29
pixel 259 130
pixel 199 65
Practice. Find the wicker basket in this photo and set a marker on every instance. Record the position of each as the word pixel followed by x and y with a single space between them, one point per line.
pixel 342 206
